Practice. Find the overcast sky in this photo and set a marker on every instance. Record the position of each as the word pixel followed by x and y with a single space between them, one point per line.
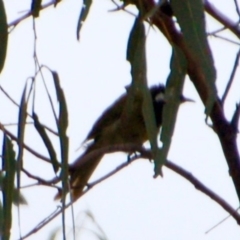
pixel 93 73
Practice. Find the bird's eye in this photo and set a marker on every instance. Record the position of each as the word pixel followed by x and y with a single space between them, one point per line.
pixel 159 97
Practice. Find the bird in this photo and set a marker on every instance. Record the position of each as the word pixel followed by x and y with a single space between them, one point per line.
pixel 113 127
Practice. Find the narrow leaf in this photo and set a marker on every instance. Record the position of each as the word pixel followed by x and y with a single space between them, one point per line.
pixel 190 16
pixel 47 142
pixel 83 15
pixel 3 35
pixel 173 92
pixel 63 115
pixel 22 116
pixel 64 142
pixel 1 219
pixel 137 57
pixel 136 44
pixel 18 198
pixel 9 165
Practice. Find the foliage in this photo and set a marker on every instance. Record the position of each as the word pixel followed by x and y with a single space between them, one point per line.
pixel 183 24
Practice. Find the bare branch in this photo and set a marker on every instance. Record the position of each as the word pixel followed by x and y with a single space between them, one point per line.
pixel 225 39
pixel 231 77
pixel 14 138
pixel 146 154
pixel 129 148
pixel 174 167
pixel 29 115
pixel 226 133
pixel 201 187
pixel 28 14
pixel 235 66
pixel 42 181
pixel 220 17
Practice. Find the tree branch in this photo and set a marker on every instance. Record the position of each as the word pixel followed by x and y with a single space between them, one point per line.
pixel 229 84
pixel 29 13
pixel 220 17
pixel 146 154
pixel 226 133
pixel 28 114
pixel 42 181
pixel 204 189
pixel 14 138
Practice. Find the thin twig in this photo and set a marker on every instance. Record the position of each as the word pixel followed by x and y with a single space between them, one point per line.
pixel 220 17
pixel 226 39
pixel 46 89
pixel 121 7
pixel 147 155
pixel 201 187
pixel 111 173
pixel 15 124
pixel 231 77
pixel 14 138
pixel 217 31
pixel 44 222
pixel 41 180
pixel 16 104
pixel 28 14
pixel 129 148
pixel 48 219
pixel 223 220
pixel 8 96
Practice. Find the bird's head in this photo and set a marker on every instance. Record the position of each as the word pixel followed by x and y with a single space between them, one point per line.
pixel 159 100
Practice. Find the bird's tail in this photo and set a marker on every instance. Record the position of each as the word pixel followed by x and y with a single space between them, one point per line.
pixel 81 170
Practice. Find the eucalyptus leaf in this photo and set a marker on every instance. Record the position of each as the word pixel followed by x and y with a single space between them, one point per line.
pixel 174 86
pixel 3 35
pixel 47 142
pixel 83 15
pixel 190 16
pixel 9 166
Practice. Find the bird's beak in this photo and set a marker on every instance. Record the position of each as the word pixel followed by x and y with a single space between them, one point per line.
pixel 184 99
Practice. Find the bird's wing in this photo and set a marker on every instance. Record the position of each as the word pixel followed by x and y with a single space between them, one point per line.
pixel 109 116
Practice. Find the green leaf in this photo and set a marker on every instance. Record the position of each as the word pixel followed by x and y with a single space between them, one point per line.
pixel 64 141
pixel 62 117
pixel 47 142
pixel 36 7
pixel 83 15
pixel 136 45
pixel 190 16
pixel 18 198
pixel 3 35
pixel 9 165
pixel 1 219
pixel 173 92
pixel 22 116
pixel 137 57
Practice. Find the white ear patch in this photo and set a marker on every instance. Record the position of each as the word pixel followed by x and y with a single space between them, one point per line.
pixel 159 97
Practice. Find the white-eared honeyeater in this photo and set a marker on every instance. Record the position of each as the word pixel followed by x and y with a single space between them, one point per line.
pixel 113 127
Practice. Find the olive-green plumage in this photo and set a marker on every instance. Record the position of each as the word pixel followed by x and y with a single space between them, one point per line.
pixel 115 126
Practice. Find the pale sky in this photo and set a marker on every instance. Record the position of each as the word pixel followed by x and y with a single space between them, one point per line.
pixel 131 205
